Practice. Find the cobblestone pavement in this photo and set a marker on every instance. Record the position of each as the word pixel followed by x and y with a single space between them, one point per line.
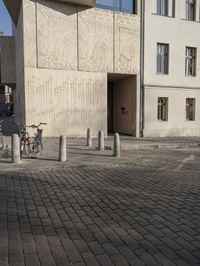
pixel 142 209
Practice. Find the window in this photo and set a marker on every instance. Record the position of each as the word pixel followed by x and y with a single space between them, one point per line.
pixel 162 7
pixel 162 109
pixel 162 58
pixel 128 6
pixel 190 109
pixel 190 61
pixel 190 9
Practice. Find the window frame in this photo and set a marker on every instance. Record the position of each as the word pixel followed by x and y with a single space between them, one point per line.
pixel 162 59
pixel 190 57
pixel 162 109
pixel 190 16
pixel 190 109
pixel 163 4
pixel 119 7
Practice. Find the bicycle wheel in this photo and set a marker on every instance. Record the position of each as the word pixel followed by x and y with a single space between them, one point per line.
pixel 22 147
pixel 33 148
pixel 1 141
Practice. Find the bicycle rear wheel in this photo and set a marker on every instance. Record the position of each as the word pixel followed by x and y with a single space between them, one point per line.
pixel 1 141
pixel 33 148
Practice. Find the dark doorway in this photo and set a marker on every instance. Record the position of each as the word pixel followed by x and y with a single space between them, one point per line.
pixel 110 106
pixel 121 104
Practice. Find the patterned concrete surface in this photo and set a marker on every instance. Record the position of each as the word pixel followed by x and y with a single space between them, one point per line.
pixel 141 209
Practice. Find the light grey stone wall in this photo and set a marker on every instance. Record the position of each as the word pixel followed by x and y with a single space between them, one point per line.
pixel 7 60
pixel 19 93
pixel 71 37
pixel 127 43
pixel 178 33
pixel 177 125
pixel 95 29
pixel 66 52
pixel 56 35
pixel 68 101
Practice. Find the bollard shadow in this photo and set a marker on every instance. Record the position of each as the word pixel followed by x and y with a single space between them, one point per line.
pixel 46 159
pixel 4 156
pixel 4 161
pixel 85 148
pixel 91 154
pixel 39 159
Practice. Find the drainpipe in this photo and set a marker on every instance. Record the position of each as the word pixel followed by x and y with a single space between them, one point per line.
pixel 142 34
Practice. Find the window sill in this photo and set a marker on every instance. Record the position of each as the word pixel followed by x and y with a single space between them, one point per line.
pixel 162 74
pixel 190 20
pixel 190 76
pixel 155 14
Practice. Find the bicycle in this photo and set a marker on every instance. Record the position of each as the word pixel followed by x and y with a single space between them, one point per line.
pixel 1 136
pixel 33 147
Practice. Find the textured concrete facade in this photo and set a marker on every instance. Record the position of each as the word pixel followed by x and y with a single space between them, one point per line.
pixel 69 100
pixel 20 89
pixel 64 54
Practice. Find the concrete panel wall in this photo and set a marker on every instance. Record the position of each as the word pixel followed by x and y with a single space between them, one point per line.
pixel 19 44
pixel 177 125
pixel 64 53
pixel 124 101
pixel 56 35
pixel 95 40
pixel 69 101
pixel 19 101
pixel 29 33
pixel 7 60
pixel 65 36
pixel 127 43
pixel 19 94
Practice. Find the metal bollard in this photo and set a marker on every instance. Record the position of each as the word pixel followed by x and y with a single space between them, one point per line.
pixel 62 149
pixel 15 149
pixel 101 141
pixel 89 138
pixel 116 145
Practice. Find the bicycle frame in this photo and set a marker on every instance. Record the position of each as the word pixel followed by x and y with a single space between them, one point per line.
pixel 1 137
pixel 32 146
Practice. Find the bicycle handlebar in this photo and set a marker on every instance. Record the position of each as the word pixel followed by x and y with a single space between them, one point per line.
pixel 34 126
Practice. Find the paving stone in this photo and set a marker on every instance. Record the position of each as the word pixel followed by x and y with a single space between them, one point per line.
pixel 138 211
pixel 95 248
pixel 90 259
pixel 31 260
pixel 188 257
pixel 71 251
pixel 119 260
pixel 81 245
pixel 163 260
pixel 105 260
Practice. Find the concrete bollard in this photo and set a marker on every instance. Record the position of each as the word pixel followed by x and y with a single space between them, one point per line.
pixel 89 138
pixel 15 149
pixel 116 145
pixel 101 141
pixel 62 149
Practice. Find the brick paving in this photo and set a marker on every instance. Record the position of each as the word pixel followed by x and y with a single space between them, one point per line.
pixel 143 209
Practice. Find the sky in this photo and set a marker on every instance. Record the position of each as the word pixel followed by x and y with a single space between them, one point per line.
pixel 5 21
